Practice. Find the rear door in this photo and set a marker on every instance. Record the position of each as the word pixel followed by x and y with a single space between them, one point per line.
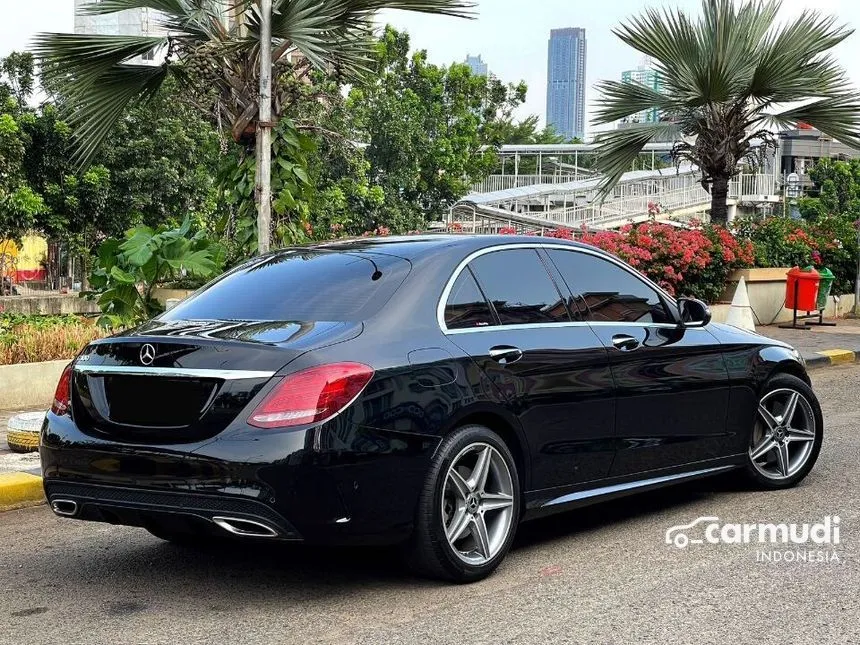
pixel 506 312
pixel 671 383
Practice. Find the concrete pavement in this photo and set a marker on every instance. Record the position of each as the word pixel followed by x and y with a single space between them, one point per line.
pixel 599 575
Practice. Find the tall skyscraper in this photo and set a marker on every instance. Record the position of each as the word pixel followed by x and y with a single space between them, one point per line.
pixel 477 65
pixel 650 78
pixel 565 86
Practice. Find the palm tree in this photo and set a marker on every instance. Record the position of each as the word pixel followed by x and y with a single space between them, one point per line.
pixel 729 78
pixel 213 41
pixel 212 50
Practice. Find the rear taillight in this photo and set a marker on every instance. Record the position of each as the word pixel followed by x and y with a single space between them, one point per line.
pixel 63 394
pixel 312 395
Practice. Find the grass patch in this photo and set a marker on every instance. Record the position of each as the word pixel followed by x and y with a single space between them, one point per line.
pixel 32 339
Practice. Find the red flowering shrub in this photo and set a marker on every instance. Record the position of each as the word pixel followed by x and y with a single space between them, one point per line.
pixel 830 241
pixel 694 262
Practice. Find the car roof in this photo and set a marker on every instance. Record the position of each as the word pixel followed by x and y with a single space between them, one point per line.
pixel 414 246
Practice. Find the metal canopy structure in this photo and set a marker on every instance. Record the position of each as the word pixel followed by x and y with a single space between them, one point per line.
pixel 533 203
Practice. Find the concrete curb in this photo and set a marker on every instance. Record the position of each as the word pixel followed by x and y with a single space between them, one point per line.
pixel 18 490
pixel 828 357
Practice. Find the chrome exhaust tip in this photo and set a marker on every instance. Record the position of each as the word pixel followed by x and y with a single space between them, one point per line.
pixel 65 507
pixel 245 527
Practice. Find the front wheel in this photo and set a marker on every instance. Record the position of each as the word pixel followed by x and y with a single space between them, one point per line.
pixel 787 434
pixel 469 508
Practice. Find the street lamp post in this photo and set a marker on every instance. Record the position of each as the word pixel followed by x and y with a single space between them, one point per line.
pixel 792 192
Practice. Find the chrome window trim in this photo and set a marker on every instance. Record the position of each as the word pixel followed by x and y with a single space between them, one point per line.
pixel 446 292
pixel 175 372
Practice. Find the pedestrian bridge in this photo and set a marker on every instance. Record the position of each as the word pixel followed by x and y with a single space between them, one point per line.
pixel 567 197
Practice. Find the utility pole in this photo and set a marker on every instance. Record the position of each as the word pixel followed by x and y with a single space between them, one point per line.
pixel 264 131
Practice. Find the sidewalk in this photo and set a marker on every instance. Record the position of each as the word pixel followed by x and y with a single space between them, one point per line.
pixel 821 346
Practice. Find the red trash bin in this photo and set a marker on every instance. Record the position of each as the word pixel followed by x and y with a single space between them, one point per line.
pixel 801 289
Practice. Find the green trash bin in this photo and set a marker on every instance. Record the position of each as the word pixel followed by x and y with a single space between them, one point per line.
pixel 824 286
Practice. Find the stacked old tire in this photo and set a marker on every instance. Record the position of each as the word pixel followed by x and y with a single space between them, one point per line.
pixel 22 431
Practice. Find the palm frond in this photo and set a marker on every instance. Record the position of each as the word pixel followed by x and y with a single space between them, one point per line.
pixel 84 58
pixel 836 116
pixel 95 111
pixel 618 149
pixel 97 86
pixel 620 100
pixel 790 64
pixel 174 7
pixel 198 18
pixel 339 33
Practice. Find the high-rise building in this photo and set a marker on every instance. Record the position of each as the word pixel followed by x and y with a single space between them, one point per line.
pixel 131 22
pixel 565 85
pixel 477 65
pixel 650 78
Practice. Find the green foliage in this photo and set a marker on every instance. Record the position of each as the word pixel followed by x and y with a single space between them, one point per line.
pixel 291 191
pixel 128 271
pixel 726 73
pixel 425 127
pixel 838 185
pixel 830 241
pixel 93 73
pixel 20 205
pixel 163 159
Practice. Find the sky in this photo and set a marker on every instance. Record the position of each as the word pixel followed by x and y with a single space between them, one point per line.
pixel 511 35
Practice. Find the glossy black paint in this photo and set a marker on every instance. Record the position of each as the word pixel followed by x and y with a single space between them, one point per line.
pixel 579 413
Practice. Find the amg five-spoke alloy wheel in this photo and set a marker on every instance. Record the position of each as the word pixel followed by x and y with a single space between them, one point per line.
pixel 469 508
pixel 478 503
pixel 786 438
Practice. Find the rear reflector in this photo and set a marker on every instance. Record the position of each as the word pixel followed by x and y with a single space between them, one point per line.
pixel 312 395
pixel 63 393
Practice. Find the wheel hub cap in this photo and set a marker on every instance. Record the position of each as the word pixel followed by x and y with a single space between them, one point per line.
pixel 478 503
pixel 785 434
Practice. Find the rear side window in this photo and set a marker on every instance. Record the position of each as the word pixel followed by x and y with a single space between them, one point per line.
pixel 611 293
pixel 466 306
pixel 300 285
pixel 518 285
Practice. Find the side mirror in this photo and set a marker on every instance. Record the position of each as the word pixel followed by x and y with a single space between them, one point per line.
pixel 694 313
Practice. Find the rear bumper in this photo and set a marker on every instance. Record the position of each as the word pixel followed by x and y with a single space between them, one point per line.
pixel 360 487
pixel 154 509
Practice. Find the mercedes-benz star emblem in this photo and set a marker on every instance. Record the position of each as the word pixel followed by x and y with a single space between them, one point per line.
pixel 147 354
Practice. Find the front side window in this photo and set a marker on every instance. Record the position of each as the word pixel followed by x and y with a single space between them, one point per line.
pixel 611 293
pixel 466 306
pixel 518 285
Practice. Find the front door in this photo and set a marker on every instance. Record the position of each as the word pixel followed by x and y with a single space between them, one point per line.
pixel 671 383
pixel 552 370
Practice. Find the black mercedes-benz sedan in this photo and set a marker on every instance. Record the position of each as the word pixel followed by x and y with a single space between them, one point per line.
pixel 426 391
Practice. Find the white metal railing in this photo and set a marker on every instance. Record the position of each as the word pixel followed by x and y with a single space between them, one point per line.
pixel 629 202
pixel 504 182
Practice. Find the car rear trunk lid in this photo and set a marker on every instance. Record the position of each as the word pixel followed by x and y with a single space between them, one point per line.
pixel 186 381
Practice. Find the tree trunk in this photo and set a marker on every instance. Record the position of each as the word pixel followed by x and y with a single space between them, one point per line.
pixel 85 272
pixel 264 132
pixel 719 195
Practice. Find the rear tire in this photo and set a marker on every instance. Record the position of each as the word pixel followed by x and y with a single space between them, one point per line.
pixel 786 436
pixel 468 509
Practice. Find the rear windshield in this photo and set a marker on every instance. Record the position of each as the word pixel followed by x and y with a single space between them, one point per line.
pixel 302 285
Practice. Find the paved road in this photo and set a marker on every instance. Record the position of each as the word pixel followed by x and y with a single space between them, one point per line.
pixel 600 575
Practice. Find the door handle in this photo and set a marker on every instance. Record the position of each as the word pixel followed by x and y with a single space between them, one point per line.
pixel 505 354
pixel 624 342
